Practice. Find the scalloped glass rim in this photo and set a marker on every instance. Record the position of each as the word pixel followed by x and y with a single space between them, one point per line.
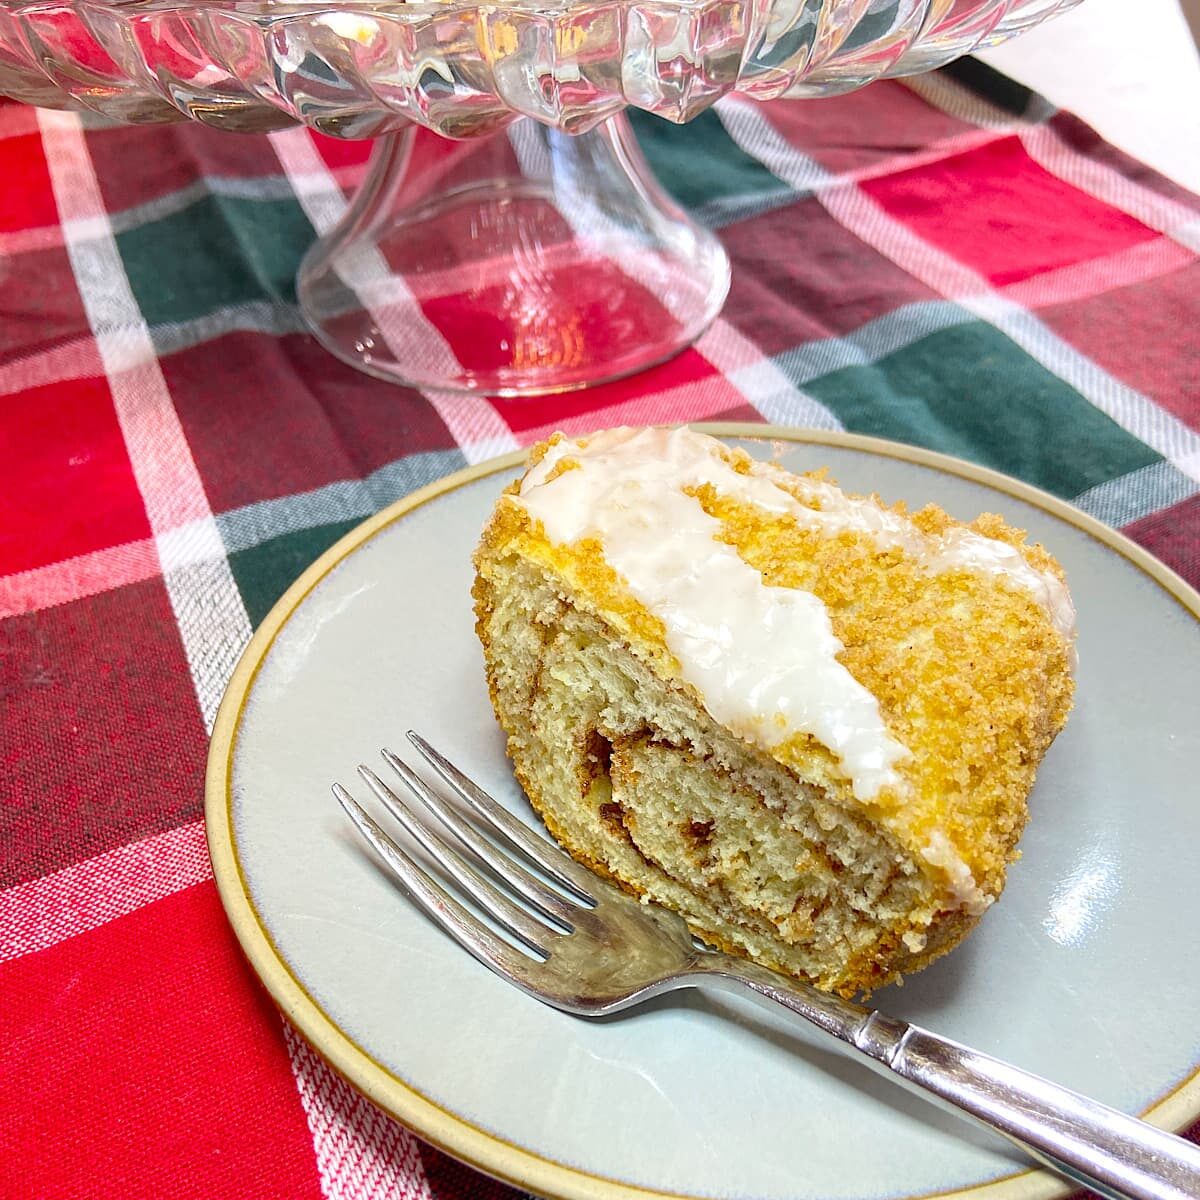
pixel 282 9
pixel 850 42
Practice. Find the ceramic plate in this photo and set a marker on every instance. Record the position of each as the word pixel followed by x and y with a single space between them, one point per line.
pixel 1084 972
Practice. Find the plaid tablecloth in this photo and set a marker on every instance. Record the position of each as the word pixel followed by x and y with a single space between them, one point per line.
pixel 948 262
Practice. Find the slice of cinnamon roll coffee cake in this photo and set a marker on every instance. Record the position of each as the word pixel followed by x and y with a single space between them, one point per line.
pixel 803 720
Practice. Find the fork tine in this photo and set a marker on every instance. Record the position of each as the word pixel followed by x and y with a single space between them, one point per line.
pixel 494 903
pixel 510 871
pixel 562 869
pixel 466 929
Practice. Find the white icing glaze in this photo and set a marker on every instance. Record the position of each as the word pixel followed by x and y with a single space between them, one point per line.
pixel 763 659
pixel 959 549
pixel 967 894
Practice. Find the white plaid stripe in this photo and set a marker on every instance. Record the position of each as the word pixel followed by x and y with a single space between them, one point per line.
pixel 856 211
pixel 1044 145
pixel 361 1153
pixel 474 424
pixel 725 210
pixel 412 471
pixel 1134 412
pixel 1082 281
pixel 411 337
pixel 1136 495
pixel 43 912
pixel 695 400
pixel 870 342
pixel 257 187
pixel 480 431
pixel 192 545
pixel 274 317
pixel 253 524
pixel 209 612
pixel 343 500
pixel 956 100
pixel 74 578
pixel 729 210
pixel 77 359
pixel 28 241
pixel 771 391
pixel 17 120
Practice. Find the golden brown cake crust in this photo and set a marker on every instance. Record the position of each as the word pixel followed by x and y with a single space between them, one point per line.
pixel 971 675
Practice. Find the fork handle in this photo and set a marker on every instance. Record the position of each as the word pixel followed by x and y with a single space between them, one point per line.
pixel 1085 1141
pixel 1089 1143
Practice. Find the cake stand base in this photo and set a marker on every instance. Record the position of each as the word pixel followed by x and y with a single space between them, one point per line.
pixel 519 264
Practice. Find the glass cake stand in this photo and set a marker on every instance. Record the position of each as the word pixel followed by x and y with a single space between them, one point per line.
pixel 535 252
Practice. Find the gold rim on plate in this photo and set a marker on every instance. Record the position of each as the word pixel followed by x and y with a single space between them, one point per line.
pixel 444 1129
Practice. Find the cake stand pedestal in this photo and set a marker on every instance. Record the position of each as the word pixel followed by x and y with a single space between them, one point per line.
pixel 538 254
pixel 526 262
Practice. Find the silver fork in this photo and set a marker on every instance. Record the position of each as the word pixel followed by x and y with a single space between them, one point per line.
pixel 592 950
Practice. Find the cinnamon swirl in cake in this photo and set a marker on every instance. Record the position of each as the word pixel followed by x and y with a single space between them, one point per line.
pixel 804 720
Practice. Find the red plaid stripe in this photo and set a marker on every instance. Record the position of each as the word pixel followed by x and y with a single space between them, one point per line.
pixel 65 453
pixel 167 1061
